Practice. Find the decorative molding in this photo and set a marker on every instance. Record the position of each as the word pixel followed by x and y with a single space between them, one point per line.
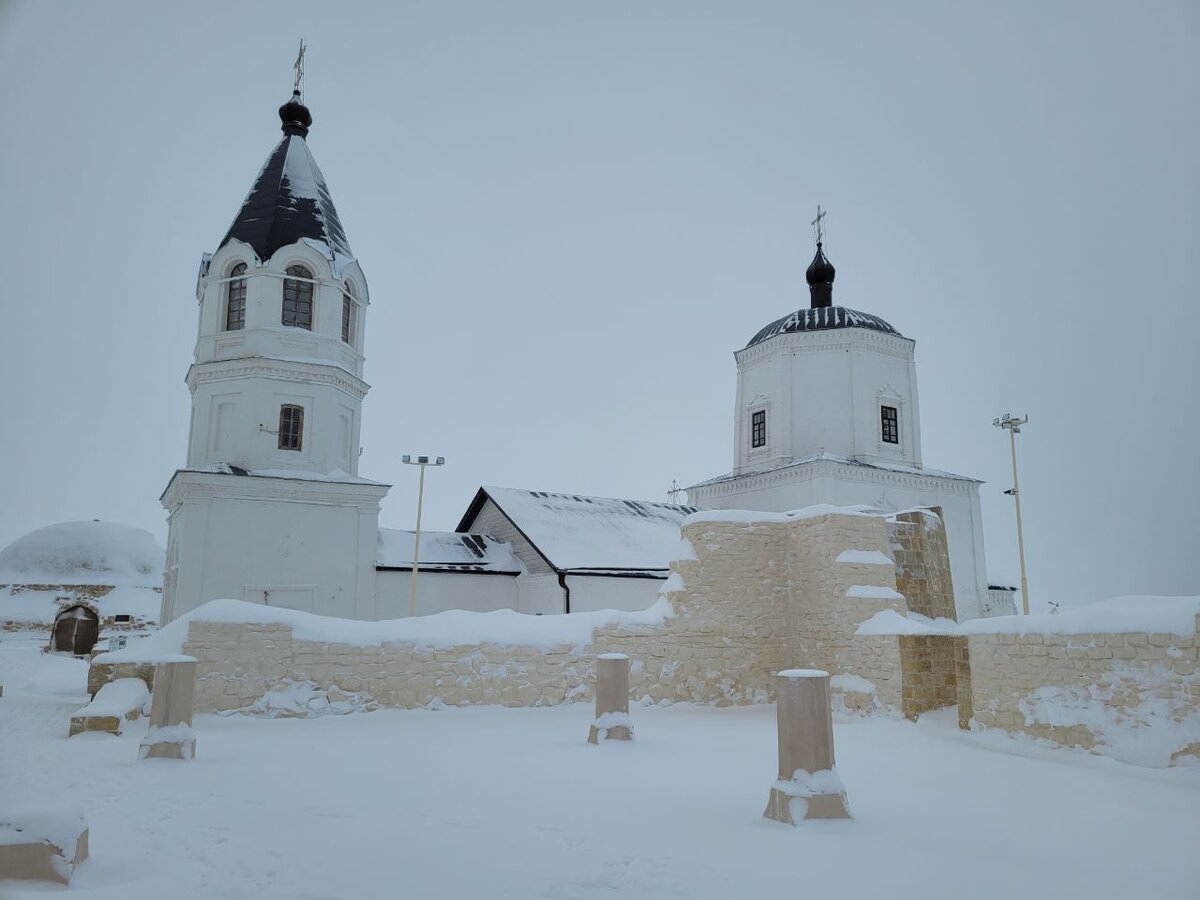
pixel 802 472
pixel 307 373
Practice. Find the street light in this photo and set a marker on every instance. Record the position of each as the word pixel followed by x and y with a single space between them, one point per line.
pixel 421 461
pixel 1013 426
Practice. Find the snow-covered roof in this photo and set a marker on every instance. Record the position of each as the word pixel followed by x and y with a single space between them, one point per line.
pixel 446 551
pixel 84 553
pixel 289 202
pixel 841 460
pixel 591 535
pixel 822 319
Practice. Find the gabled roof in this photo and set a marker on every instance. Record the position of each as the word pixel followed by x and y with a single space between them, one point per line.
pixel 288 202
pixel 593 534
pixel 445 551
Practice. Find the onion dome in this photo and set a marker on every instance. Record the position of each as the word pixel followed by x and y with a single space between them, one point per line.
pixel 819 275
pixel 295 116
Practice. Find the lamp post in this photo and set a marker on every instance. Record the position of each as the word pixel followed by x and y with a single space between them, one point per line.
pixel 421 461
pixel 1013 426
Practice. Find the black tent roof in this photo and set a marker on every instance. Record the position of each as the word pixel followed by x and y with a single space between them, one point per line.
pixel 289 200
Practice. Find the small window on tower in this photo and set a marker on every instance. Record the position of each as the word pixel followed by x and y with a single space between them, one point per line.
pixel 758 429
pixel 297 298
pixel 291 427
pixel 348 315
pixel 235 307
pixel 890 424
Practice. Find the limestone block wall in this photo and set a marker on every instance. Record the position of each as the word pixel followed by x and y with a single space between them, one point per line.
pixel 751 595
pixel 1134 695
pixel 832 596
pixel 917 542
pixel 720 646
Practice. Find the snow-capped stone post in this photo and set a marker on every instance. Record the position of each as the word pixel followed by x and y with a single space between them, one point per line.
pixel 808 785
pixel 170 735
pixel 612 700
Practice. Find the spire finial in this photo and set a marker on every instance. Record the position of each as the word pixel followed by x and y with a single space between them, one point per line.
pixel 818 225
pixel 298 66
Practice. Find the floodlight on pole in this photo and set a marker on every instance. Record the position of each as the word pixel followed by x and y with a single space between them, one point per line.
pixel 1013 426
pixel 421 461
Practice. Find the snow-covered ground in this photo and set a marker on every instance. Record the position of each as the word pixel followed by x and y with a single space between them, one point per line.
pixel 493 802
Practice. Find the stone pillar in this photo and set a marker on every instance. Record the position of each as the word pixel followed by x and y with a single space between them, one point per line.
pixel 808 785
pixel 612 700
pixel 170 735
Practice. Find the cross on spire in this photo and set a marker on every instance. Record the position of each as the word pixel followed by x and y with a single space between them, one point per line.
pixel 819 226
pixel 298 66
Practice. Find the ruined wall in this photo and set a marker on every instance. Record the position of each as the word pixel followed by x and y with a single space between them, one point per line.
pixel 917 542
pixel 752 595
pixel 1133 695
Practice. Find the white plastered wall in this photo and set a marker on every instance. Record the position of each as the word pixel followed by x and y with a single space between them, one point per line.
pixel 594 592
pixel 438 591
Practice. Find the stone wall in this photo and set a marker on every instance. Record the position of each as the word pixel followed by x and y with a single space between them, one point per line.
pixel 756 597
pixel 917 542
pixel 1133 695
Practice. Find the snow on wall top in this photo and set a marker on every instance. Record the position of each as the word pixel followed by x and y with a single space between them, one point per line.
pixel 84 553
pixel 595 533
pixel 1165 615
pixel 289 202
pixel 453 628
pixel 446 551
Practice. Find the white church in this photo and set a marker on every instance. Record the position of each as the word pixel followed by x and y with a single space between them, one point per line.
pixel 270 507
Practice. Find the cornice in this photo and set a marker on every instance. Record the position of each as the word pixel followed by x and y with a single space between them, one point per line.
pixel 264 367
pixel 803 472
pixel 832 340
pixel 187 485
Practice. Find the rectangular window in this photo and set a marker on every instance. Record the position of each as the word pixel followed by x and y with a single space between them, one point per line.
pixel 890 424
pixel 347 320
pixel 758 429
pixel 291 427
pixel 297 298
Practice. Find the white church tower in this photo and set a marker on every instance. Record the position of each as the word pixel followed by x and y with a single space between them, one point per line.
pixel 270 508
pixel 827 412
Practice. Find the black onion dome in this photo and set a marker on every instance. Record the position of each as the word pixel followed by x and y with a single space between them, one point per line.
pixel 825 318
pixel 289 200
pixel 820 270
pixel 295 116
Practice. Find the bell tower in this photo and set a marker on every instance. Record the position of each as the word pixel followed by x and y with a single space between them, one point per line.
pixel 277 379
pixel 270 507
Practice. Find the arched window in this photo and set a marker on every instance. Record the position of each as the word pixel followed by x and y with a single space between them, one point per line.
pixel 348 314
pixel 235 303
pixel 297 298
pixel 291 427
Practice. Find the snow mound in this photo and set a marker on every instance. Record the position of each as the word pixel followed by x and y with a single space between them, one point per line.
pixel 84 553
pixel 1167 615
pixel 304 700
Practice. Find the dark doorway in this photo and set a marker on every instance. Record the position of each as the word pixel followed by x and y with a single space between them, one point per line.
pixel 76 629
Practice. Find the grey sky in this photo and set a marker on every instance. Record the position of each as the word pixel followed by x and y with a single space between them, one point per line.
pixel 571 214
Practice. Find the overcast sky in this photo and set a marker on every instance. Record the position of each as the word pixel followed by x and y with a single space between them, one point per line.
pixel 571 214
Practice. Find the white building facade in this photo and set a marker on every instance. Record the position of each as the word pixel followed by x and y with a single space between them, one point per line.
pixel 827 411
pixel 269 507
